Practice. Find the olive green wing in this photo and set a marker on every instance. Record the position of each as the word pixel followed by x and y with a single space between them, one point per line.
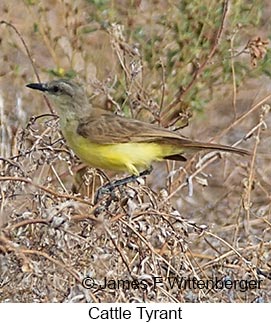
pixel 112 129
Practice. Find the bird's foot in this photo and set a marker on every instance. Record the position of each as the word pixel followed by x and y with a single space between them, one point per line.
pixel 109 188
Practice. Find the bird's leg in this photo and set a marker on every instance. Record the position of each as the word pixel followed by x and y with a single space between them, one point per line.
pixel 126 180
pixel 109 188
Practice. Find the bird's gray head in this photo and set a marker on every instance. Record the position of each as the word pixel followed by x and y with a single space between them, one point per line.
pixel 68 96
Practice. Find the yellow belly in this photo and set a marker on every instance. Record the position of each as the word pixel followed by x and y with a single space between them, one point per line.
pixel 126 157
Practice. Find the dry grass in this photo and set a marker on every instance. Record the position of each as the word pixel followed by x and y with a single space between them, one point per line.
pixel 206 219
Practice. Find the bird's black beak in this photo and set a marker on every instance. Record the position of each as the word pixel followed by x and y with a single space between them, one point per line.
pixel 38 86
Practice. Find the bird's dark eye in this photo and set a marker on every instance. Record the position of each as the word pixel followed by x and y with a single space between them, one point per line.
pixel 55 89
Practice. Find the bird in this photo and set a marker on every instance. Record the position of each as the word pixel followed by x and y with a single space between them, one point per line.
pixel 102 139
